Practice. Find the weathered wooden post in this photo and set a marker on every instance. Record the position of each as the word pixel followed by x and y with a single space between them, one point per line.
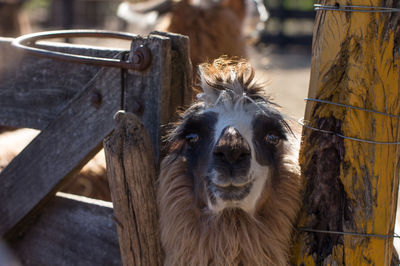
pixel 351 184
pixel 132 151
pixel 131 171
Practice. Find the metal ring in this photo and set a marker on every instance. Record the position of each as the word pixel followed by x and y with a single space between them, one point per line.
pixel 26 41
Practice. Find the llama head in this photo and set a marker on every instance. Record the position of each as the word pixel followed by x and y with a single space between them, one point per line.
pixel 232 139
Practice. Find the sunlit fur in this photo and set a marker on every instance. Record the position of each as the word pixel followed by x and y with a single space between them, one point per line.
pixel 194 234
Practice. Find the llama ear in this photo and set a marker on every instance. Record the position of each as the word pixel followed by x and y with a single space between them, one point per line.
pixel 210 94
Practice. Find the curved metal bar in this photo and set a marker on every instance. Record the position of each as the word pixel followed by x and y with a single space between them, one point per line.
pixel 26 43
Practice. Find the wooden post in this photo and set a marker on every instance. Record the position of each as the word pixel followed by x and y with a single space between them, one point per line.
pixel 351 186
pixel 155 93
pixel 131 171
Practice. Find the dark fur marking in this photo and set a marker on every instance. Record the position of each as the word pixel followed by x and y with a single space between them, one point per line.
pixel 263 125
pixel 197 152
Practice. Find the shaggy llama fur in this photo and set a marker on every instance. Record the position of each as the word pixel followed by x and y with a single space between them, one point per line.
pixel 191 233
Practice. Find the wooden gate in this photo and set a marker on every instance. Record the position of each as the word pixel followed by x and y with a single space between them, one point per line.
pixel 73 105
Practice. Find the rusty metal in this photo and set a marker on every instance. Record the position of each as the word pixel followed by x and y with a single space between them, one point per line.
pixel 139 60
pixel 141 57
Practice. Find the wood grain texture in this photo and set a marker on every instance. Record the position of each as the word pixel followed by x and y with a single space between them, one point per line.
pixel 181 79
pixel 147 92
pixel 59 150
pixel 351 186
pixel 71 230
pixel 180 90
pixel 156 93
pixel 131 170
pixel 34 90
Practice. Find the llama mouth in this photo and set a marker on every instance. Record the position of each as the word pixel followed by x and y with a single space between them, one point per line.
pixel 232 192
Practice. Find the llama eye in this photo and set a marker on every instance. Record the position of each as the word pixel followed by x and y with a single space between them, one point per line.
pixel 192 138
pixel 272 139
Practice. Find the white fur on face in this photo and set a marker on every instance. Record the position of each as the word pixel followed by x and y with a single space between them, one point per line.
pixel 241 119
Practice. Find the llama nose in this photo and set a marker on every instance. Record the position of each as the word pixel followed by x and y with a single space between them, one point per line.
pixel 231 147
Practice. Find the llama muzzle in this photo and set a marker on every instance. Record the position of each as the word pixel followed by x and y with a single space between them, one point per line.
pixel 231 160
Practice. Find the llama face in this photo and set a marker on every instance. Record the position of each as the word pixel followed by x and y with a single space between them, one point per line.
pixel 231 148
pixel 232 139
pixel 229 187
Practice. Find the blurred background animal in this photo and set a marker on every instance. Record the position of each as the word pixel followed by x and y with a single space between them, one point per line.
pixel 13 20
pixel 214 28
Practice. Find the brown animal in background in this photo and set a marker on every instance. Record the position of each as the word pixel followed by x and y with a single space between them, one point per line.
pixel 214 28
pixel 13 21
pixel 229 189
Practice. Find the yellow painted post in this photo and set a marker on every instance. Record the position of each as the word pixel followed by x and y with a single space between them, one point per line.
pixel 351 186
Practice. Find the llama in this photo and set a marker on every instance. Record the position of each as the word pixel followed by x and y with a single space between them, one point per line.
pixel 229 189
pixel 13 20
pixel 213 27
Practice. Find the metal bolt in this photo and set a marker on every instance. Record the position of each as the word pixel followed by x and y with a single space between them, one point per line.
pixel 141 58
pixel 96 99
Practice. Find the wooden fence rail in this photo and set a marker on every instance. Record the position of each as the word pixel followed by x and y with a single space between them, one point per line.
pixel 71 230
pixel 73 106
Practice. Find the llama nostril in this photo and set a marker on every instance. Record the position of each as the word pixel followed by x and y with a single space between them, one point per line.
pixel 244 156
pixel 222 156
pixel 230 155
pixel 219 155
pixel 239 155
